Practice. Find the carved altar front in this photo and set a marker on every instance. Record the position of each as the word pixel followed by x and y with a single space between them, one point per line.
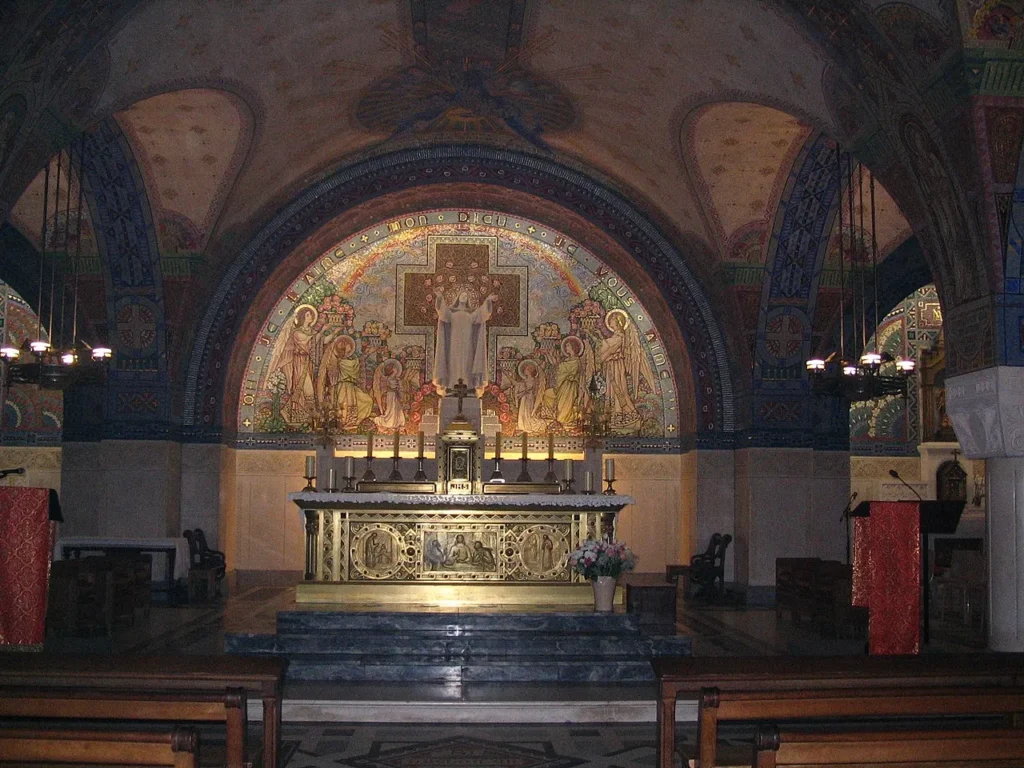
pixel 473 548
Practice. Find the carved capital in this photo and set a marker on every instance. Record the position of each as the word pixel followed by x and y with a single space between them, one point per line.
pixel 986 409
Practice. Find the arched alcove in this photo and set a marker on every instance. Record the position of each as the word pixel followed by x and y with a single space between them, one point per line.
pixel 567 337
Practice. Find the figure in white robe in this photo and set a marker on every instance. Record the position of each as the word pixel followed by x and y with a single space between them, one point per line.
pixel 460 345
pixel 387 394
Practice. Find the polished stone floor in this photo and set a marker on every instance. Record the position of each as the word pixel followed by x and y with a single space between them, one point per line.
pixel 477 725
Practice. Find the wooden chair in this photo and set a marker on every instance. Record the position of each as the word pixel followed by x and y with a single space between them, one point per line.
pixel 178 747
pixel 707 570
pixel 206 566
pixel 886 748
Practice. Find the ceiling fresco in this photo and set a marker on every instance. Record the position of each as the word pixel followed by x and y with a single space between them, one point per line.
pixel 188 145
pixel 394 316
pixel 739 168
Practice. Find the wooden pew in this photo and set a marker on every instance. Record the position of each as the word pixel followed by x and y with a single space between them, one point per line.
pixel 178 748
pixel 168 688
pixel 888 675
pixel 907 748
pixel 716 706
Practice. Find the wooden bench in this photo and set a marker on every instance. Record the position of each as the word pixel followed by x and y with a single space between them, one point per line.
pixel 803 676
pixel 167 688
pixel 178 748
pixel 907 748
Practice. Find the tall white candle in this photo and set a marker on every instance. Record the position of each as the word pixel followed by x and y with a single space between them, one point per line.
pixel 332 479
pixel 369 446
pixel 524 446
pixel 310 466
pixel 397 443
pixel 419 445
pixel 350 467
pixel 588 482
pixel 568 470
pixel 609 469
pixel 551 445
pixel 497 446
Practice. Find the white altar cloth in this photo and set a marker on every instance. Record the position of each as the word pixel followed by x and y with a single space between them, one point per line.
pixel 597 502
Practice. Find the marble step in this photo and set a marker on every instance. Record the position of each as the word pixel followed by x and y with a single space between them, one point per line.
pixel 478 644
pixel 302 622
pixel 434 670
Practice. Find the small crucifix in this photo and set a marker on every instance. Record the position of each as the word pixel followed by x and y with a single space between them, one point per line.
pixel 461 391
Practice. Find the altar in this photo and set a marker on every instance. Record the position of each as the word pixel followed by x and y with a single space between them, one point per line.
pixel 480 549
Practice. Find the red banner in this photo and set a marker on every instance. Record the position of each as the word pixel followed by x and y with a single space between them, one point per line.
pixel 887 572
pixel 26 545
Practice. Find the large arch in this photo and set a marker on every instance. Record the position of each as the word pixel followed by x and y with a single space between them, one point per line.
pixel 433 173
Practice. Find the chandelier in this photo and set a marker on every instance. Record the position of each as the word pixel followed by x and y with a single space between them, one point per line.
pixel 58 358
pixel 875 373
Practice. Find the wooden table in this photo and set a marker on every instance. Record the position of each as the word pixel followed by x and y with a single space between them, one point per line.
pixel 176 566
pixel 686 676
pixel 141 688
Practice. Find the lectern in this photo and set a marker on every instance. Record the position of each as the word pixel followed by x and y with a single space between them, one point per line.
pixel 26 544
pixel 890 554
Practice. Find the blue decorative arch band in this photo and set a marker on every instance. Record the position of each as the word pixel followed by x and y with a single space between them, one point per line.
pixel 604 208
pixel 137 400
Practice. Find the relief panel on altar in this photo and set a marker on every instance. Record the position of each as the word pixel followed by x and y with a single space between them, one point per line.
pixel 456 551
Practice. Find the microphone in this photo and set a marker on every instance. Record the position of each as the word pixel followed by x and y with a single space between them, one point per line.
pixel 895 474
pixel 846 512
pixel 17 471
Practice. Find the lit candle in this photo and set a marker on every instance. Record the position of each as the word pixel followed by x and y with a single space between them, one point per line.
pixel 524 446
pixel 419 445
pixel 369 446
pixel 568 470
pixel 588 482
pixel 497 446
pixel 551 445
pixel 350 467
pixel 397 439
pixel 332 479
pixel 609 469
pixel 310 466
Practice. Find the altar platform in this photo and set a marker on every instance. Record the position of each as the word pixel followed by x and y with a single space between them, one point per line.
pixel 463 647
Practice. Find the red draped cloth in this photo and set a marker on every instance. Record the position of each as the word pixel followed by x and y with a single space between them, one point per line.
pixel 887 575
pixel 26 545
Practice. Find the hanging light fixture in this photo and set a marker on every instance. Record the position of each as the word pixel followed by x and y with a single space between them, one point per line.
pixel 876 373
pixel 57 359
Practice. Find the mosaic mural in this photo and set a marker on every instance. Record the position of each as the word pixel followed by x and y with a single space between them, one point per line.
pixel 891 425
pixel 30 414
pixel 384 323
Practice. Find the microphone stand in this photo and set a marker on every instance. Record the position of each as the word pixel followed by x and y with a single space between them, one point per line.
pixel 845 518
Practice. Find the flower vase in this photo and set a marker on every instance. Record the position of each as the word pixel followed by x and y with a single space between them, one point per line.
pixel 604 593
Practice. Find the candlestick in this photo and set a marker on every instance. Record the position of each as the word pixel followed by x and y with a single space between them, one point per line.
pixel 419 445
pixel 310 473
pixel 551 445
pixel 588 482
pixel 397 442
pixel 525 437
pixel 350 474
pixel 609 469
pixel 497 446
pixel 332 480
pixel 568 476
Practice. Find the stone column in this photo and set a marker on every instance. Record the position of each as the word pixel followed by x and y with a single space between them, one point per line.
pixel 987 411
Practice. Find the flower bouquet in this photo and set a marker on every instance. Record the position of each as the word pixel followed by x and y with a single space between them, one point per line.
pixel 602 558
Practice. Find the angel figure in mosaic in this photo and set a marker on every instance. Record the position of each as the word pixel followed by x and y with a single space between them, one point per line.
pixel 624 365
pixel 573 373
pixel 529 393
pixel 387 395
pixel 295 361
pixel 340 382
